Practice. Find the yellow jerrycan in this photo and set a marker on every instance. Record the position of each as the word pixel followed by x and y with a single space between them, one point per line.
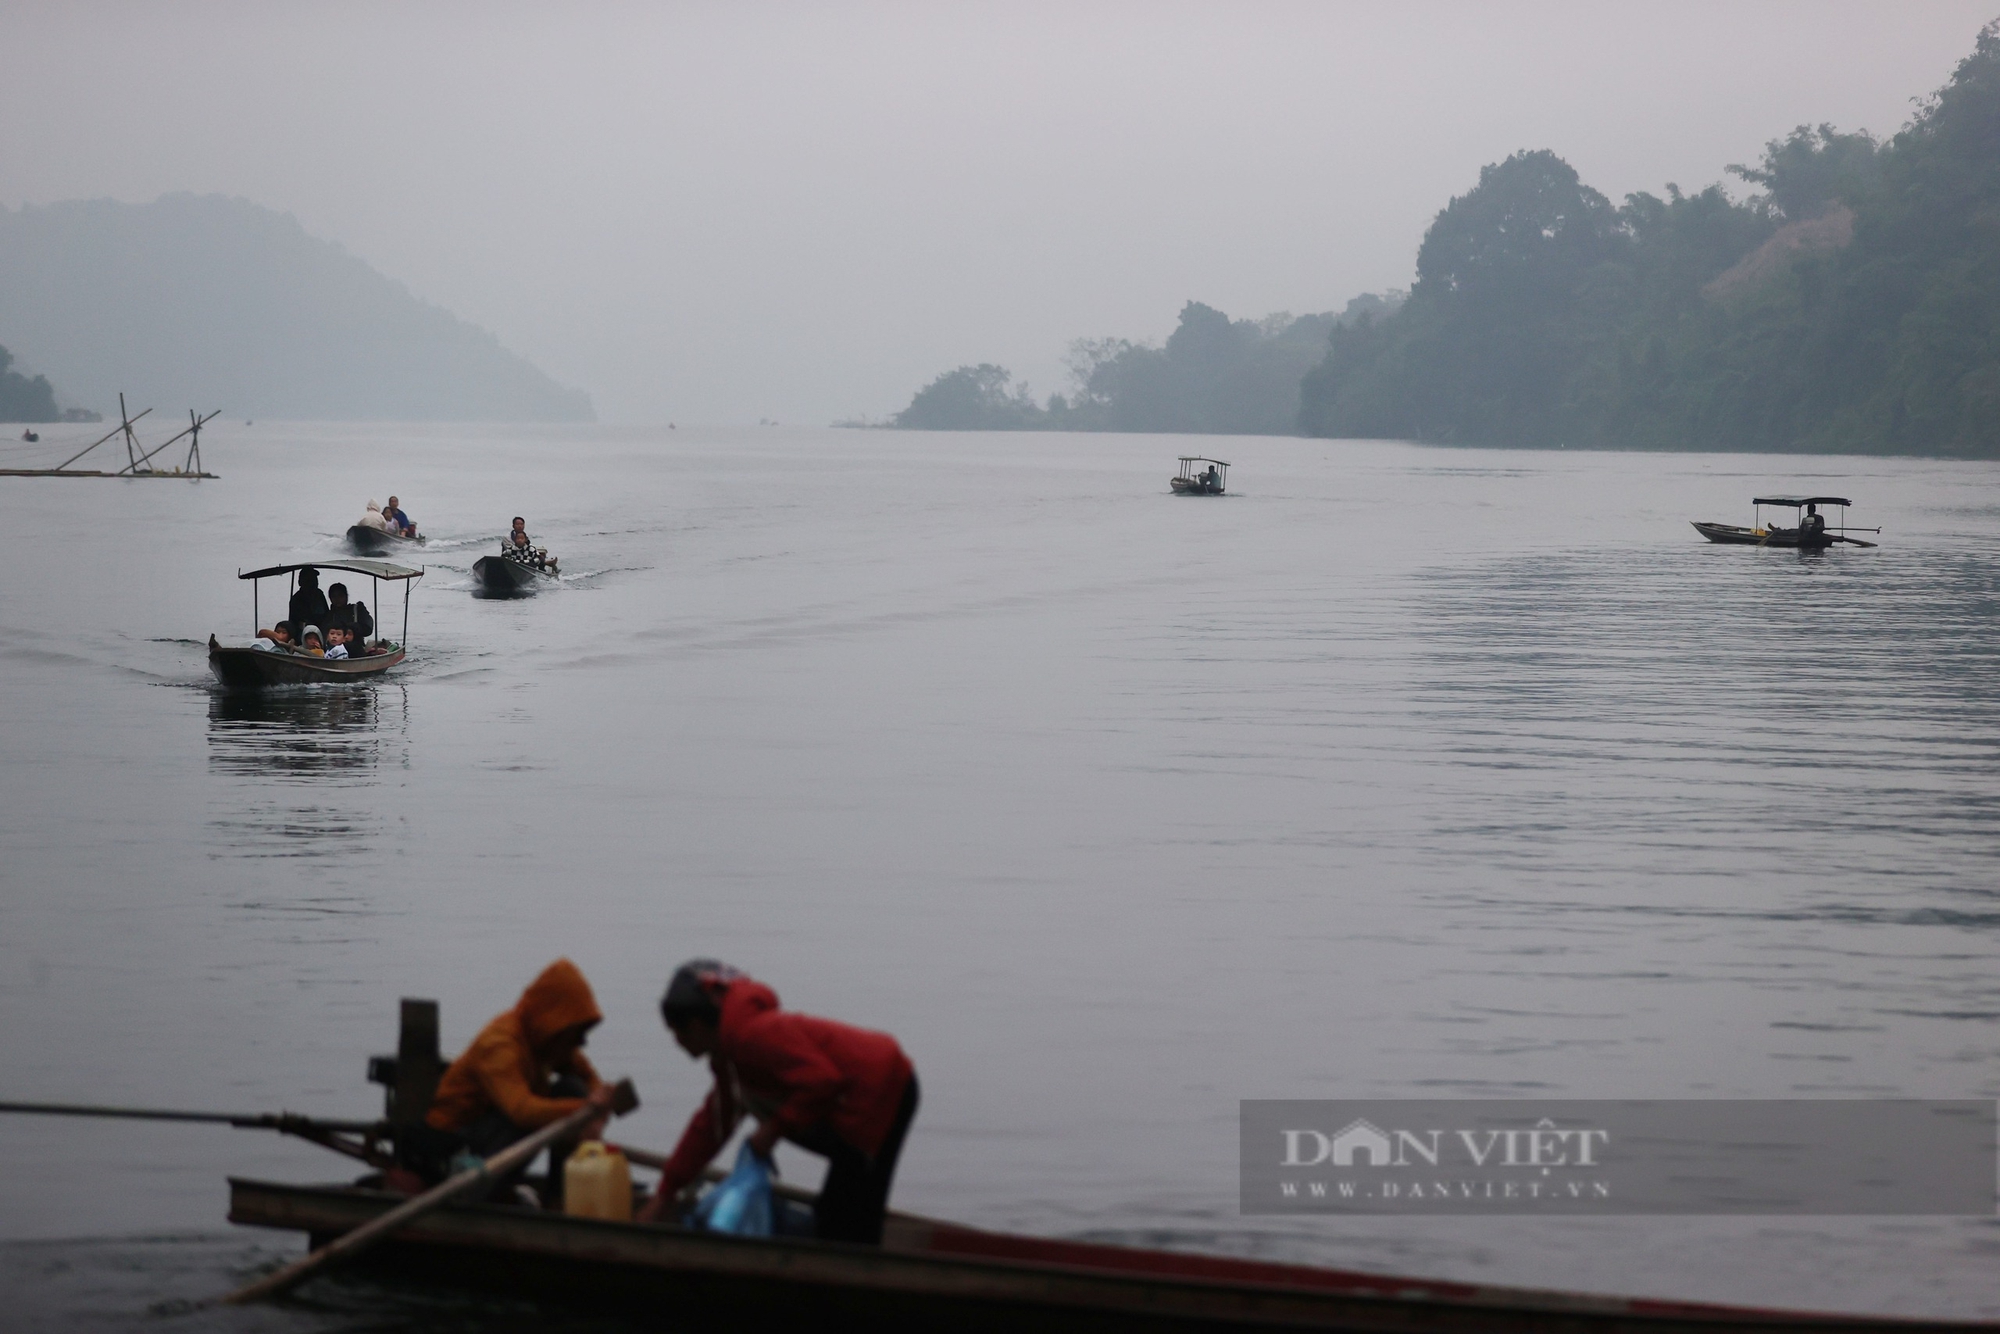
pixel 597 1183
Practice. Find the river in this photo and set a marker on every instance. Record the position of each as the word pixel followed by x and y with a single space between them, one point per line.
pixel 1396 772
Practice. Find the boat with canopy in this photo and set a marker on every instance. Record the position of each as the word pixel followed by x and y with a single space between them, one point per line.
pixel 1212 481
pixel 1804 534
pixel 242 667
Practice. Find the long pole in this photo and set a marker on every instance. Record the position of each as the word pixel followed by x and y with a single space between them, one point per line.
pixel 252 1120
pixel 95 443
pixel 131 443
pixel 351 1244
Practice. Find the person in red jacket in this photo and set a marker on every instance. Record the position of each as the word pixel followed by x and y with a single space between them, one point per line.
pixel 844 1093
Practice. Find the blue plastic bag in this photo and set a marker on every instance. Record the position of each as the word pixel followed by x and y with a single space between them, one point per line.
pixel 740 1204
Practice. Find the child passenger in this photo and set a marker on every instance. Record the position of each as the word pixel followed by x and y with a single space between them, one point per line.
pixel 336 647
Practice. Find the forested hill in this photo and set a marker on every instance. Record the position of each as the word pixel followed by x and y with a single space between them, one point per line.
pixel 202 300
pixel 1851 305
pixel 1214 375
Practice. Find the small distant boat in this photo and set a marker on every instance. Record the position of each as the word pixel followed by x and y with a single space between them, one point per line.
pixel 378 542
pixel 240 667
pixel 1808 533
pixel 31 437
pixel 501 577
pixel 1212 481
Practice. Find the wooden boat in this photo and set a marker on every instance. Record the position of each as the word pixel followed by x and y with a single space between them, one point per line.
pixel 501 577
pixel 1210 482
pixel 376 542
pixel 932 1274
pixel 241 667
pixel 1801 535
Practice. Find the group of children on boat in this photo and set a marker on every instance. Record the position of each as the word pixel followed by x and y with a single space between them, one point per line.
pixel 844 1093
pixel 322 625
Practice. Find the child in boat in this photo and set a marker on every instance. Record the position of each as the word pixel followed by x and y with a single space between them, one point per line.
pixel 399 522
pixel 310 642
pixel 277 639
pixel 524 1070
pixel 844 1093
pixel 336 646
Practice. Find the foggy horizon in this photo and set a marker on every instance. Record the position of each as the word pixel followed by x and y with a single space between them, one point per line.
pixel 716 215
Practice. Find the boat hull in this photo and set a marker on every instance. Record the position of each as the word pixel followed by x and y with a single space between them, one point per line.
pixel 501 577
pixel 1189 486
pixel 1733 535
pixel 254 669
pixel 374 542
pixel 930 1274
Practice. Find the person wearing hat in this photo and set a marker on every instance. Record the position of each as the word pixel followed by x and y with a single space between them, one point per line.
pixel 308 606
pixel 844 1093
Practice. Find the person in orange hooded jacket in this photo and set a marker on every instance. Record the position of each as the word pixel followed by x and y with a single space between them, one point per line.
pixel 525 1070
pixel 844 1093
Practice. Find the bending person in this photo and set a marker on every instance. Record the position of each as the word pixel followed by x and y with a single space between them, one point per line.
pixel 525 1070
pixel 844 1093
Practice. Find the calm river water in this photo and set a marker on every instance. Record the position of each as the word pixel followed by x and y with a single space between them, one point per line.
pixel 1396 772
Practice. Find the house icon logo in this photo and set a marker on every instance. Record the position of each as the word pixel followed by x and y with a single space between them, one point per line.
pixel 1365 1139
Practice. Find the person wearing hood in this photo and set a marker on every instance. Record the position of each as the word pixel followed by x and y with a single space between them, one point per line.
pixel 844 1093
pixel 308 605
pixel 374 518
pixel 525 1070
pixel 310 642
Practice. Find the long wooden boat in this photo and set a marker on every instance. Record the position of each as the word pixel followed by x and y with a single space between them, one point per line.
pixel 499 575
pixel 930 1274
pixel 375 542
pixel 1808 533
pixel 1737 535
pixel 243 668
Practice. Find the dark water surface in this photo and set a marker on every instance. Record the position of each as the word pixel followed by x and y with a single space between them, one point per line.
pixel 1397 772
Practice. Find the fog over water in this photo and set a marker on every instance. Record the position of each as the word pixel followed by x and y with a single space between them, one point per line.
pixel 1396 772
pixel 722 212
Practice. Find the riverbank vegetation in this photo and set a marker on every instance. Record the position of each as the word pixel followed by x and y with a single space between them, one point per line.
pixel 1849 303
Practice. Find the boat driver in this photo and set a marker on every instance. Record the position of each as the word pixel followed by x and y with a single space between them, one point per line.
pixel 519 546
pixel 1813 526
pixel 308 605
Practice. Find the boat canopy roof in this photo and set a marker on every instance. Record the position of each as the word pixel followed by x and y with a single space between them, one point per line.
pixel 1800 502
pixel 1198 458
pixel 379 569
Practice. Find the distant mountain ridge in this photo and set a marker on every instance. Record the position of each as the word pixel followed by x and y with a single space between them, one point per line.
pixel 212 302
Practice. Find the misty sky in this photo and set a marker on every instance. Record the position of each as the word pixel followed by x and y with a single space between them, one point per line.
pixel 722 212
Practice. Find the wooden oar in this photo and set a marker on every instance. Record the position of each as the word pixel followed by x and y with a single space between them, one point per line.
pixel 1855 541
pixel 350 1244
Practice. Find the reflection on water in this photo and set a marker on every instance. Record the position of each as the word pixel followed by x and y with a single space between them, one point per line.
pixel 292 750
